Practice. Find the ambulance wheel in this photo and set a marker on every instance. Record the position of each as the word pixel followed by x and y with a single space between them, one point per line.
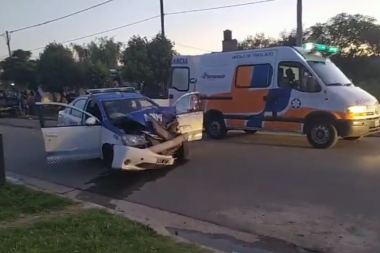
pixel 352 138
pixel 250 131
pixel 322 134
pixel 107 152
pixel 215 127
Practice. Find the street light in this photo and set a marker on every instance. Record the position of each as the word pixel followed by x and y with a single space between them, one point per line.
pixel 12 84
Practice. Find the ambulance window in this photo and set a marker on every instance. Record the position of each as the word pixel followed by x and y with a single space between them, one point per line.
pixel 253 76
pixel 294 75
pixel 180 79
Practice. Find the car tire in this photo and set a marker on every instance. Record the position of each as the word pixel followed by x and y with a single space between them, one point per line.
pixel 183 152
pixel 322 134
pixel 107 153
pixel 215 127
pixel 352 138
pixel 250 131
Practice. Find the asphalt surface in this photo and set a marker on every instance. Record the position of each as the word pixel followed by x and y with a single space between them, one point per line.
pixel 271 185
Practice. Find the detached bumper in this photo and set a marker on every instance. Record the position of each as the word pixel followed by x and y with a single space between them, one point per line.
pixel 356 128
pixel 135 159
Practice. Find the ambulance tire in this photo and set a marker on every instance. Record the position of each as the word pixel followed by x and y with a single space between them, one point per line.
pixel 215 126
pixel 107 153
pixel 322 134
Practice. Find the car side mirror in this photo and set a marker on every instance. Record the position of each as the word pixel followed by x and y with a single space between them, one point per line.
pixel 90 121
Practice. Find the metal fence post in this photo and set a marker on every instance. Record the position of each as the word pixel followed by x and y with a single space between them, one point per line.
pixel 2 162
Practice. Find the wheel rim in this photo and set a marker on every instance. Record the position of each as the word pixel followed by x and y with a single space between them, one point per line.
pixel 215 128
pixel 320 134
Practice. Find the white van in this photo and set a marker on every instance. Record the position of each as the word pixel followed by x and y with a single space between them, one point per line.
pixel 286 89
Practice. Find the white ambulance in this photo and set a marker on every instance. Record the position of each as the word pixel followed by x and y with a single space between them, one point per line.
pixel 286 89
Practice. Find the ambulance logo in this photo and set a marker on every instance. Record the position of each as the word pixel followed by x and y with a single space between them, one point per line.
pixel 295 104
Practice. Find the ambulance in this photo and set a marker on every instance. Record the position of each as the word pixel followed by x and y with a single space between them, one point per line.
pixel 281 89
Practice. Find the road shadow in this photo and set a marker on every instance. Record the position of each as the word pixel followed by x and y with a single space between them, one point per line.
pixel 119 184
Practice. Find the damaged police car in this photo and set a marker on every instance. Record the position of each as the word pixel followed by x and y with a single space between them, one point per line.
pixel 126 129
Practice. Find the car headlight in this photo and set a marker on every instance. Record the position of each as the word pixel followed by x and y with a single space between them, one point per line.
pixel 357 111
pixel 133 140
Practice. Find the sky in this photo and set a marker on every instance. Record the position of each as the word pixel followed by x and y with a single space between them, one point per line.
pixel 193 33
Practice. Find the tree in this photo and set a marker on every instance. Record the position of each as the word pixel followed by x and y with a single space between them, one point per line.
pixel 57 70
pixel 20 70
pixel 356 34
pixel 97 76
pixel 103 50
pixel 148 62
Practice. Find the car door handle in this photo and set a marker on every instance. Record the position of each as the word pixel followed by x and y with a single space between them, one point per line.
pixel 51 135
pixel 171 96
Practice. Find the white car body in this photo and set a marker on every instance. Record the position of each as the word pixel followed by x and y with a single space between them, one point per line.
pixel 64 143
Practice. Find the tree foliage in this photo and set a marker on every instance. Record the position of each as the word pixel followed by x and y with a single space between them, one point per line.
pixel 147 62
pixel 19 69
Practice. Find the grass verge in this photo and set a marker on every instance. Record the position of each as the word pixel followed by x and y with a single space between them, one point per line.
pixel 77 230
pixel 18 200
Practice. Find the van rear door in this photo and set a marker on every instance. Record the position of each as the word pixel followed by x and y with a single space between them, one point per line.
pixel 180 78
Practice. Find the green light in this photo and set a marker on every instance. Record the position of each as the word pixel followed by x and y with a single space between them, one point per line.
pixel 333 50
pixel 320 48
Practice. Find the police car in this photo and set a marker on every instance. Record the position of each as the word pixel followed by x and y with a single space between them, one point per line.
pixel 126 129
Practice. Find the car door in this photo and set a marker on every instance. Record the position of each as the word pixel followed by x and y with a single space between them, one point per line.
pixel 190 115
pixel 68 142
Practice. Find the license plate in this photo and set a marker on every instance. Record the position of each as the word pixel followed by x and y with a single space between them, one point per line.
pixel 162 161
pixel 377 123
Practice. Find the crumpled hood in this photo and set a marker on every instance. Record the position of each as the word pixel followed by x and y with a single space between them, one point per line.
pixel 161 114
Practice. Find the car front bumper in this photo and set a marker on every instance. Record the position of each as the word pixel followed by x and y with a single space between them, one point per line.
pixel 136 159
pixel 356 128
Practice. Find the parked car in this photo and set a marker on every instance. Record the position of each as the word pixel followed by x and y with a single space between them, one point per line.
pixel 9 103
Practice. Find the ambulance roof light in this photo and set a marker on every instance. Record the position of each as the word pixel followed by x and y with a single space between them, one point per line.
pixel 321 48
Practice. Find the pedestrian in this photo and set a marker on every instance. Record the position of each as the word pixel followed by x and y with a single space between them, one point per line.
pixel 31 102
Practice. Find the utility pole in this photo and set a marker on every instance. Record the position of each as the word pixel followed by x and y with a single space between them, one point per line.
pixel 162 18
pixel 8 41
pixel 299 23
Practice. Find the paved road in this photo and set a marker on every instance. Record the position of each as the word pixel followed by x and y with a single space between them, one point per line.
pixel 271 185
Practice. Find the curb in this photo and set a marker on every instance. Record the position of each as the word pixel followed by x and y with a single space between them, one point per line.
pixel 158 220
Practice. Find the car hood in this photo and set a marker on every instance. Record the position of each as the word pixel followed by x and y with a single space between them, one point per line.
pixel 163 114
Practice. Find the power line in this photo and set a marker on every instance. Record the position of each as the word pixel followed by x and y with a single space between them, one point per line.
pixel 106 31
pixel 196 48
pixel 219 7
pixel 63 17
pixel 142 21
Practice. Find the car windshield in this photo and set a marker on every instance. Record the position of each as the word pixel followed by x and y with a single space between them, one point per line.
pixel 121 107
pixel 330 74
